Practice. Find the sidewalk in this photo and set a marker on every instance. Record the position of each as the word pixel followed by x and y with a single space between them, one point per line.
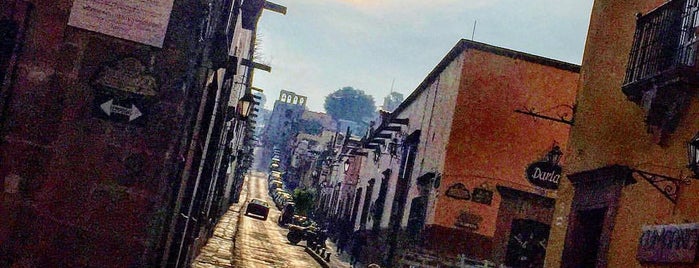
pixel 218 251
pixel 341 260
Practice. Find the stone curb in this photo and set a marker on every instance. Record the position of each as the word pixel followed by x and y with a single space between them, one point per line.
pixel 317 257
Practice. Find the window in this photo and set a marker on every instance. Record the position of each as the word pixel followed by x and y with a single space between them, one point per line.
pixel 665 38
pixel 8 33
pixel 662 64
pixel 367 203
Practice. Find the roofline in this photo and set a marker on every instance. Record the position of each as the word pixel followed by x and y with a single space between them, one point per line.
pixel 460 47
pixel 464 44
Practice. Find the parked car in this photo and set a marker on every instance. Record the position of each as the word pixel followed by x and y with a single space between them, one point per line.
pixel 303 221
pixel 275 184
pixel 287 214
pixel 310 234
pixel 258 208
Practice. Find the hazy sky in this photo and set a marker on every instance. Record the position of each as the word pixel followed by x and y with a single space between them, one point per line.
pixel 320 46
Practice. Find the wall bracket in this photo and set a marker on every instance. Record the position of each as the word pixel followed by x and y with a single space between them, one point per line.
pixel 668 186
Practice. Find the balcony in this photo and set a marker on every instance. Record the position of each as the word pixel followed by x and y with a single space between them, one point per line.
pixel 662 72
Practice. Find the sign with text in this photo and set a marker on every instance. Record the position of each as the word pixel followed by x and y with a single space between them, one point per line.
pixel 468 220
pixel 459 191
pixel 674 243
pixel 124 92
pixel 544 175
pixel 142 21
pixel 481 195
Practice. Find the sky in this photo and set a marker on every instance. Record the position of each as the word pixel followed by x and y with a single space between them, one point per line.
pixel 320 46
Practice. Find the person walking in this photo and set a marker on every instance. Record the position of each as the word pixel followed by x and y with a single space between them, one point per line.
pixel 358 243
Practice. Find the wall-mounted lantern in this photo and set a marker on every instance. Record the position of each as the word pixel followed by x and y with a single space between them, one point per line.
pixel 347 165
pixel 693 155
pixel 377 154
pixel 393 147
pixel 554 156
pixel 245 105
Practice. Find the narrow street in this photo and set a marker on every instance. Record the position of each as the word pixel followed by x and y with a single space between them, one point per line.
pixel 263 243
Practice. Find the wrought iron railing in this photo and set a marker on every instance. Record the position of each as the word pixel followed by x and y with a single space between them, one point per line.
pixel 665 39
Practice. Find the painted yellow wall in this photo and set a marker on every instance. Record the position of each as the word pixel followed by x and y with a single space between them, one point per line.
pixel 610 130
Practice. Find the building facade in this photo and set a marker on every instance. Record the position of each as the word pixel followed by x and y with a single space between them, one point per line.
pixel 445 175
pixel 115 143
pixel 629 198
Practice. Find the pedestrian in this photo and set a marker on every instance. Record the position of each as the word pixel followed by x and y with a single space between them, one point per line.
pixel 358 242
pixel 342 237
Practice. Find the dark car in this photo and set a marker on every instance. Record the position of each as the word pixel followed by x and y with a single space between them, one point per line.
pixel 287 214
pixel 258 208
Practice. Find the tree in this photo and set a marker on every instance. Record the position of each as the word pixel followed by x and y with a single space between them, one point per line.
pixel 303 200
pixel 350 104
pixel 392 101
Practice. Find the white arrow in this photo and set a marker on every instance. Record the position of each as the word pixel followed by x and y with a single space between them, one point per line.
pixel 135 113
pixel 109 107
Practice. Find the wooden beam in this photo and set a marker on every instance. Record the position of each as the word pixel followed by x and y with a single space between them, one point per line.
pixel 275 7
pixel 256 89
pixel 391 128
pixel 256 65
pixel 359 153
pixel 382 136
pixel 400 121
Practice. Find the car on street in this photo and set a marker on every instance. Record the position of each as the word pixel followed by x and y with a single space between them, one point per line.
pixel 287 214
pixel 258 208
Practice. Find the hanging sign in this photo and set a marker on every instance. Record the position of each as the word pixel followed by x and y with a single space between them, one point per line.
pixel 674 243
pixel 544 175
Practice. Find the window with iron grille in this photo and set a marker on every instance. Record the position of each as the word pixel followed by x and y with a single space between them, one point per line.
pixel 662 71
pixel 665 39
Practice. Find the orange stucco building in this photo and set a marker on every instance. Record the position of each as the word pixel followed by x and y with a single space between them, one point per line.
pixel 491 146
pixel 455 183
pixel 629 198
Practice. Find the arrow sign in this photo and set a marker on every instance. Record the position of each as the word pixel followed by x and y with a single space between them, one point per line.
pixel 109 108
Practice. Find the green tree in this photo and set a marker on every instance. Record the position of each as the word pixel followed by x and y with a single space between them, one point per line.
pixel 351 104
pixel 304 201
pixel 392 101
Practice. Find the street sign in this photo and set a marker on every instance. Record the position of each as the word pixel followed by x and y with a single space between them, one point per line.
pixel 132 113
pixel 124 92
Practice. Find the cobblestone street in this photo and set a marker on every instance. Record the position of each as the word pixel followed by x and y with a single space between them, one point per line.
pixel 241 241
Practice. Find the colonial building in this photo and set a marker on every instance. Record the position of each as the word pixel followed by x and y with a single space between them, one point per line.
pixel 118 124
pixel 466 169
pixel 630 196
pixel 282 127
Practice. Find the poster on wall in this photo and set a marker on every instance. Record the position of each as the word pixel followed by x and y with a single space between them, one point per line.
pixel 673 243
pixel 142 21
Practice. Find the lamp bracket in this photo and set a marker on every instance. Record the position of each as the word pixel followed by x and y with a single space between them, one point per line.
pixel 668 186
pixel 562 117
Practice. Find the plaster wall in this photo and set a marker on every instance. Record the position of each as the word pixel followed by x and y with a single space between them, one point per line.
pixel 492 145
pixel 610 130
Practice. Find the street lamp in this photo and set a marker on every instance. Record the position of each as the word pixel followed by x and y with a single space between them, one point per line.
pixel 245 105
pixel 554 155
pixel 693 155
pixel 377 154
